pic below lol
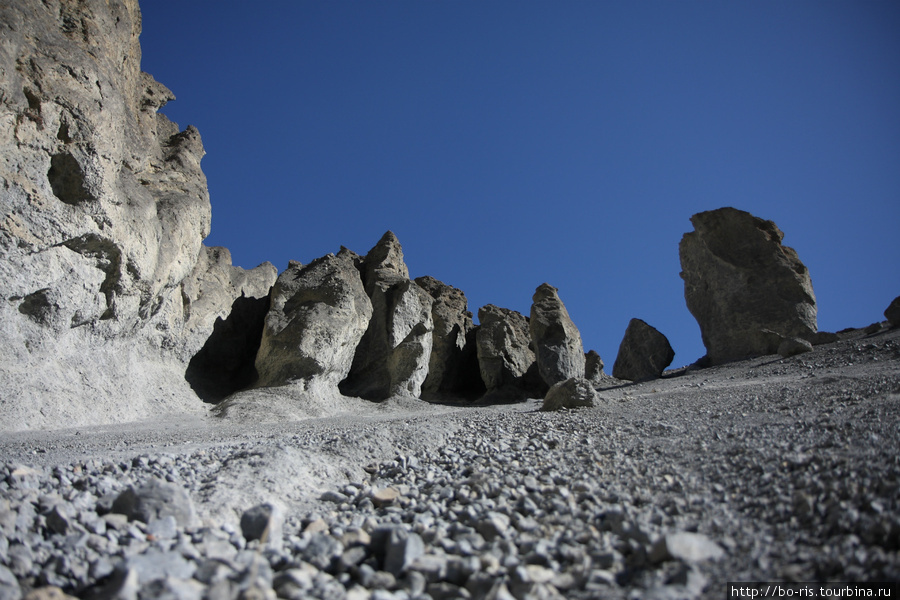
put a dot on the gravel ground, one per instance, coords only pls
(767, 469)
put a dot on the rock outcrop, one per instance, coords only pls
(576, 392)
(643, 354)
(747, 291)
(224, 310)
(505, 358)
(317, 315)
(557, 343)
(453, 367)
(103, 208)
(892, 312)
(392, 357)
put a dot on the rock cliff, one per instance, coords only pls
(104, 208)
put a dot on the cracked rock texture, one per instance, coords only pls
(103, 208)
(505, 355)
(318, 314)
(747, 291)
(392, 357)
(556, 340)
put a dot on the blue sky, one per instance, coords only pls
(512, 143)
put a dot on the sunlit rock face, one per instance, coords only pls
(104, 208)
(392, 357)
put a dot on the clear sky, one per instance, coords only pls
(509, 143)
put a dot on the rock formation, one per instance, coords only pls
(505, 358)
(742, 284)
(576, 392)
(392, 357)
(453, 367)
(593, 370)
(557, 343)
(317, 316)
(643, 354)
(232, 303)
(103, 208)
(892, 312)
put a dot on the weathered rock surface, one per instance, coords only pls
(453, 367)
(643, 354)
(557, 342)
(224, 310)
(892, 312)
(103, 208)
(741, 284)
(576, 392)
(392, 357)
(317, 316)
(505, 358)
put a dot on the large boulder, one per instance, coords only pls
(103, 208)
(643, 354)
(576, 392)
(453, 367)
(318, 314)
(892, 312)
(557, 343)
(505, 358)
(392, 357)
(747, 291)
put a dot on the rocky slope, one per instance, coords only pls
(766, 469)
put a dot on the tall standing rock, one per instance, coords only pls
(318, 315)
(506, 360)
(392, 357)
(747, 291)
(453, 367)
(643, 354)
(557, 342)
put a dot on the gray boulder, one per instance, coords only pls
(892, 312)
(576, 392)
(505, 358)
(318, 314)
(263, 522)
(557, 343)
(392, 357)
(453, 367)
(156, 499)
(643, 354)
(742, 284)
